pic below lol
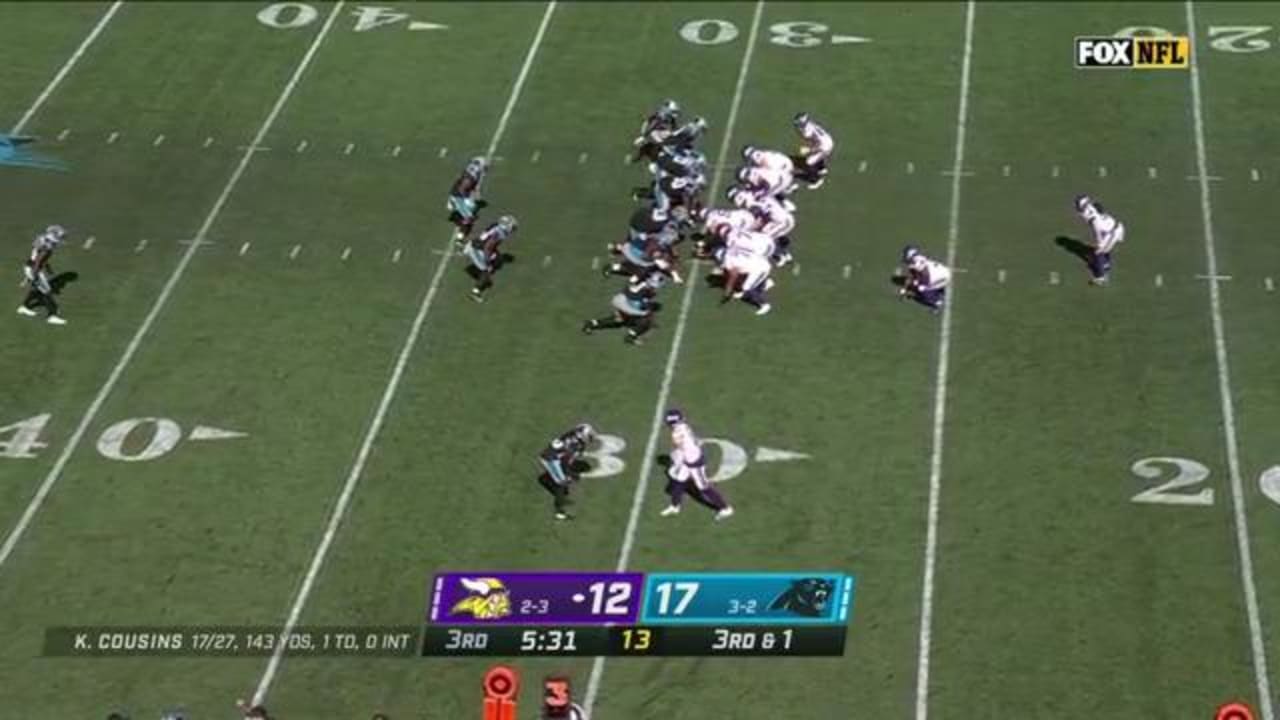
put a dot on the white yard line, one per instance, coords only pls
(668, 374)
(940, 386)
(66, 67)
(389, 393)
(94, 407)
(1256, 637)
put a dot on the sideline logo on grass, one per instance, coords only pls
(1141, 53)
(1234, 711)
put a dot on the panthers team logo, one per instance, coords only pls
(806, 596)
(487, 599)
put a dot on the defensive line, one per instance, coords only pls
(389, 393)
(664, 391)
(136, 341)
(1257, 641)
(940, 385)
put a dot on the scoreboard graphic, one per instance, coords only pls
(637, 614)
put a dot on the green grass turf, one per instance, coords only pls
(1056, 596)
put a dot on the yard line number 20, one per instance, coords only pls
(1183, 475)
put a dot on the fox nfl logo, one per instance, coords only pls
(1142, 53)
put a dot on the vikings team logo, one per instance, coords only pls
(487, 599)
(807, 596)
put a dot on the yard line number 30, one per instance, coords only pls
(1183, 475)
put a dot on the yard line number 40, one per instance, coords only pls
(1184, 475)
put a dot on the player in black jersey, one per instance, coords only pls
(485, 256)
(464, 198)
(558, 459)
(655, 131)
(633, 308)
(37, 274)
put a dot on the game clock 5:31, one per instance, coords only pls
(549, 640)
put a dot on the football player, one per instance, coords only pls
(633, 308)
(816, 147)
(768, 159)
(776, 221)
(714, 223)
(687, 135)
(746, 262)
(767, 182)
(689, 464)
(923, 279)
(655, 131)
(1107, 233)
(649, 246)
(37, 273)
(464, 198)
(484, 253)
(558, 459)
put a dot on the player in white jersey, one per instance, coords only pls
(816, 148)
(777, 222)
(747, 264)
(768, 159)
(923, 279)
(689, 464)
(767, 182)
(1107, 233)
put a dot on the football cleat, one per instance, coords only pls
(477, 295)
(24, 310)
(56, 320)
(764, 309)
(561, 515)
(588, 327)
(725, 513)
(670, 510)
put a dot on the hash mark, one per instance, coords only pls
(1055, 172)
(582, 158)
(159, 139)
(1159, 280)
(350, 147)
(142, 245)
(595, 263)
(795, 269)
(1054, 278)
(1006, 170)
(302, 146)
(63, 135)
(546, 261)
(848, 270)
(536, 154)
(244, 248)
(395, 152)
(208, 141)
(395, 256)
(346, 253)
(911, 168)
(114, 136)
(88, 242)
(1102, 171)
(1271, 285)
(862, 166)
(294, 252)
(443, 151)
(1151, 173)
(1001, 275)
(1255, 175)
(1215, 278)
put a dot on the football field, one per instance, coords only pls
(275, 404)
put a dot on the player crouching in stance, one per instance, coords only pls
(1107, 233)
(746, 263)
(816, 147)
(923, 280)
(37, 276)
(557, 460)
(485, 255)
(689, 464)
(656, 130)
(464, 198)
(633, 308)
